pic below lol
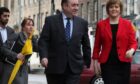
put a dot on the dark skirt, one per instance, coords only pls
(116, 73)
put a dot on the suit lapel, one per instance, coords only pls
(120, 27)
(108, 28)
(61, 26)
(74, 28)
(0, 39)
(8, 33)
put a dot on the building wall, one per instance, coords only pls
(86, 10)
(90, 10)
(27, 8)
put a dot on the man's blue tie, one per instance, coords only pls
(67, 29)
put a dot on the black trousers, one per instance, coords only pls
(116, 73)
(68, 77)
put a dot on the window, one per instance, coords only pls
(30, 1)
(41, 20)
(80, 10)
(35, 20)
(135, 7)
(26, 2)
(12, 4)
(0, 2)
(103, 11)
(131, 6)
(38, 22)
(6, 3)
(96, 11)
(88, 12)
(22, 2)
(81, 13)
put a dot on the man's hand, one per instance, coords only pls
(97, 68)
(20, 56)
(129, 53)
(44, 62)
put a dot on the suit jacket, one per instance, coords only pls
(125, 40)
(5, 48)
(53, 45)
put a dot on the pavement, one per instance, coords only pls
(37, 77)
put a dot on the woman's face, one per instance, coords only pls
(28, 28)
(114, 10)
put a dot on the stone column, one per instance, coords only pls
(1, 3)
(9, 4)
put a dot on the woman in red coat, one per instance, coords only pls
(114, 46)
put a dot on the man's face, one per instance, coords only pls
(71, 7)
(4, 18)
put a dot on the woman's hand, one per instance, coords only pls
(129, 53)
(97, 69)
(20, 56)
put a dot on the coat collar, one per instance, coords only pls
(61, 25)
(0, 39)
(108, 27)
(8, 33)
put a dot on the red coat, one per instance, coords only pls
(125, 40)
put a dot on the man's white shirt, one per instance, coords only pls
(3, 32)
(65, 22)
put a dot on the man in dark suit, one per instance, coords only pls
(7, 38)
(63, 38)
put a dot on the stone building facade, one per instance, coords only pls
(90, 10)
(95, 10)
(35, 9)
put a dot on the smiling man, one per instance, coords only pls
(60, 45)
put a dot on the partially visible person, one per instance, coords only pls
(114, 46)
(64, 45)
(58, 11)
(7, 38)
(22, 75)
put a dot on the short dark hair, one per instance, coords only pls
(25, 21)
(64, 1)
(111, 2)
(58, 11)
(4, 9)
